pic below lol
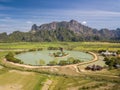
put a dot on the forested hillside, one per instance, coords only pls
(62, 31)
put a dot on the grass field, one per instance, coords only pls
(18, 80)
(13, 79)
(82, 83)
(84, 46)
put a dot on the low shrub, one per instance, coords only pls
(10, 57)
(53, 48)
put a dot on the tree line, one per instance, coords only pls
(60, 34)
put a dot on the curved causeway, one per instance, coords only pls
(29, 66)
(33, 58)
(67, 69)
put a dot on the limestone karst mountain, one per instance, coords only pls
(62, 31)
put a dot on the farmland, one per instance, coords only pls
(12, 77)
(86, 46)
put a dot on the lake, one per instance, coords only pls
(33, 58)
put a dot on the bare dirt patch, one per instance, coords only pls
(11, 87)
(47, 85)
(21, 72)
(1, 67)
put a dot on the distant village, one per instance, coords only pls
(108, 53)
(104, 53)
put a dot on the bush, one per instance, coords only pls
(41, 62)
(63, 62)
(100, 51)
(70, 60)
(10, 57)
(112, 62)
(53, 48)
(52, 63)
(59, 54)
(76, 61)
(40, 49)
(30, 50)
(118, 52)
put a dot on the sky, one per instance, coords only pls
(22, 14)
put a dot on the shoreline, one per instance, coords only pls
(28, 66)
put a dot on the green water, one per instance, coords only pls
(33, 58)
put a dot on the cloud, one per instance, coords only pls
(3, 25)
(84, 22)
(7, 19)
(29, 22)
(90, 13)
(93, 18)
(60, 13)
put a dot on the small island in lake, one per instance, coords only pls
(60, 53)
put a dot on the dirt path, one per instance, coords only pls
(11, 87)
(94, 59)
(74, 67)
(21, 72)
(93, 54)
(47, 85)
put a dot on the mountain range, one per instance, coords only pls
(62, 31)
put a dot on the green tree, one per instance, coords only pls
(118, 52)
(41, 62)
(70, 60)
(63, 62)
(10, 57)
(112, 61)
(52, 63)
(76, 61)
